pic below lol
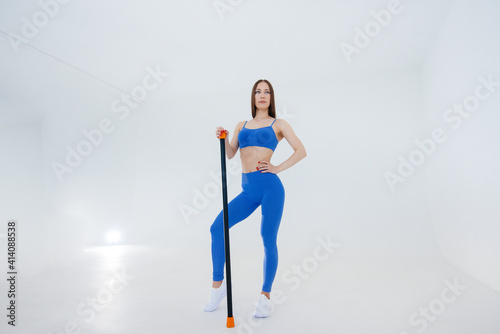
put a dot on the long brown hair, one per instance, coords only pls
(272, 109)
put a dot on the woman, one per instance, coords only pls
(261, 185)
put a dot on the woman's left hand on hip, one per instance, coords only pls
(267, 167)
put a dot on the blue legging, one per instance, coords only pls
(263, 189)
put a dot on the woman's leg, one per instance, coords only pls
(272, 211)
(239, 208)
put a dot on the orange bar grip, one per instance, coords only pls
(230, 322)
(222, 135)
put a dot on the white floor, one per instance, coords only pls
(157, 290)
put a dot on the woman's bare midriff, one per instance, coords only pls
(251, 155)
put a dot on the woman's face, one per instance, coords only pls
(262, 96)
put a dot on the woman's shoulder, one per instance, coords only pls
(239, 125)
(281, 122)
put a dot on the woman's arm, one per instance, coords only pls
(294, 141)
(232, 147)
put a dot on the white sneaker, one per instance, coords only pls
(216, 296)
(264, 307)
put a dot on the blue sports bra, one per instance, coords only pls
(263, 137)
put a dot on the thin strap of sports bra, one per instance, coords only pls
(273, 122)
(245, 123)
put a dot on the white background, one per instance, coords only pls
(152, 177)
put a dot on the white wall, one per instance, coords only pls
(463, 174)
(353, 129)
(355, 126)
(150, 167)
(95, 194)
(22, 197)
